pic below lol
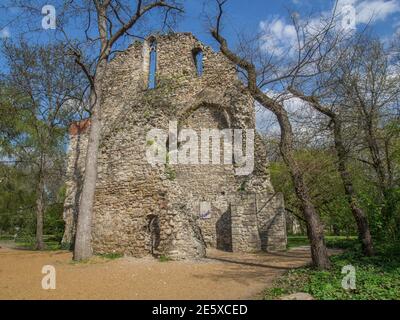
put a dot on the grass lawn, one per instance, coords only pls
(49, 245)
(6, 237)
(29, 242)
(377, 277)
(339, 242)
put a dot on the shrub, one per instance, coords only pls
(377, 278)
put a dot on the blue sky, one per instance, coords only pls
(384, 15)
(253, 16)
(256, 15)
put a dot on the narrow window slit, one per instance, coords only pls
(153, 65)
(198, 61)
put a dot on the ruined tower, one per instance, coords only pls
(177, 210)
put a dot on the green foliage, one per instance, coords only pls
(340, 242)
(160, 96)
(17, 207)
(274, 293)
(297, 241)
(164, 258)
(28, 242)
(6, 237)
(17, 201)
(391, 215)
(111, 256)
(66, 246)
(377, 277)
(54, 223)
(53, 218)
(383, 213)
(38, 100)
(327, 193)
(242, 187)
(170, 172)
(326, 189)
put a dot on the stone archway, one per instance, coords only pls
(223, 230)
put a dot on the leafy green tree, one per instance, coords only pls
(326, 189)
(42, 92)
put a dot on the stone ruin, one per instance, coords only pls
(172, 210)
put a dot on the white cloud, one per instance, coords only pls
(371, 11)
(342, 3)
(5, 33)
(278, 36)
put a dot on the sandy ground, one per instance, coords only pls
(220, 276)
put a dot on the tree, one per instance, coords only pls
(370, 86)
(107, 24)
(369, 83)
(356, 88)
(45, 87)
(352, 85)
(315, 230)
(106, 12)
(319, 166)
(358, 213)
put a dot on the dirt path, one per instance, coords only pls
(220, 276)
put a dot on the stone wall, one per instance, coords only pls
(132, 195)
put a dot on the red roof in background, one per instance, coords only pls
(79, 127)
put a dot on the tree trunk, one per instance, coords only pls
(373, 147)
(358, 214)
(315, 230)
(83, 239)
(39, 213)
(389, 167)
(364, 233)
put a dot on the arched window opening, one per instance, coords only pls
(153, 65)
(198, 61)
(153, 228)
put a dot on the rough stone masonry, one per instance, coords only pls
(172, 210)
